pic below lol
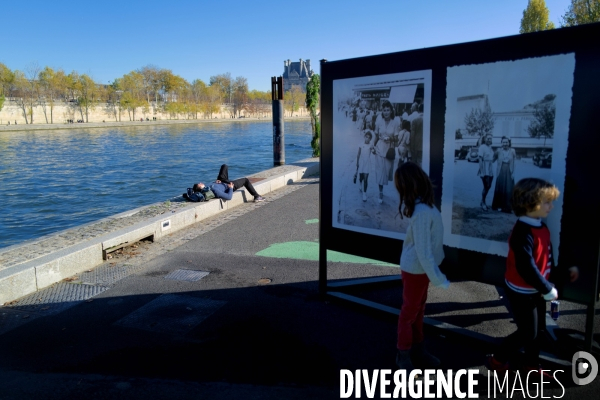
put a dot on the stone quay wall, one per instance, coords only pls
(13, 114)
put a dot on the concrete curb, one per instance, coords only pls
(27, 277)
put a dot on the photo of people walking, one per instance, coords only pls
(382, 116)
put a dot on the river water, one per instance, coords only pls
(54, 180)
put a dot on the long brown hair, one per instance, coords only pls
(412, 183)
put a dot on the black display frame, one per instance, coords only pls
(581, 193)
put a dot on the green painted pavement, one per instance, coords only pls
(310, 251)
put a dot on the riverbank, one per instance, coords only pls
(33, 265)
(123, 124)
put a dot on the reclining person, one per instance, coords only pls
(223, 177)
(221, 190)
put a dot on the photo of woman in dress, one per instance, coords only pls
(505, 176)
(486, 166)
(363, 196)
(387, 128)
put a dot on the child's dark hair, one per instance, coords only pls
(196, 187)
(412, 183)
(529, 193)
(369, 133)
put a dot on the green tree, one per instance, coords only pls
(313, 91)
(133, 96)
(72, 89)
(173, 86)
(581, 12)
(6, 79)
(293, 98)
(52, 86)
(240, 95)
(479, 122)
(212, 104)
(259, 103)
(225, 84)
(151, 81)
(88, 95)
(535, 17)
(544, 115)
(198, 95)
(113, 99)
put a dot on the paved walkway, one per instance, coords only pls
(229, 308)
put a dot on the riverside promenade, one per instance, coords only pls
(227, 307)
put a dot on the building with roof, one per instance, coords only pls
(513, 124)
(296, 73)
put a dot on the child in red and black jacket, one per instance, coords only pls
(528, 267)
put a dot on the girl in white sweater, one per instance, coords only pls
(422, 253)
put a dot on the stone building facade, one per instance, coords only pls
(296, 73)
(512, 124)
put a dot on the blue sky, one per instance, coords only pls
(198, 39)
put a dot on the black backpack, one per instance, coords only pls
(204, 195)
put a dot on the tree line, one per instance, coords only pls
(149, 89)
(536, 15)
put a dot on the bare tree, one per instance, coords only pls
(27, 90)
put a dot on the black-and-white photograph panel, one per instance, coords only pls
(379, 122)
(505, 121)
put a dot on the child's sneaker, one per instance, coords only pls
(364, 196)
(259, 198)
(403, 361)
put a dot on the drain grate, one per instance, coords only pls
(50, 301)
(187, 275)
(57, 298)
(171, 313)
(108, 275)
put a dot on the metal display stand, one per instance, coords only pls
(348, 85)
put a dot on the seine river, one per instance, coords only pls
(54, 180)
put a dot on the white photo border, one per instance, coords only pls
(343, 87)
(548, 74)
